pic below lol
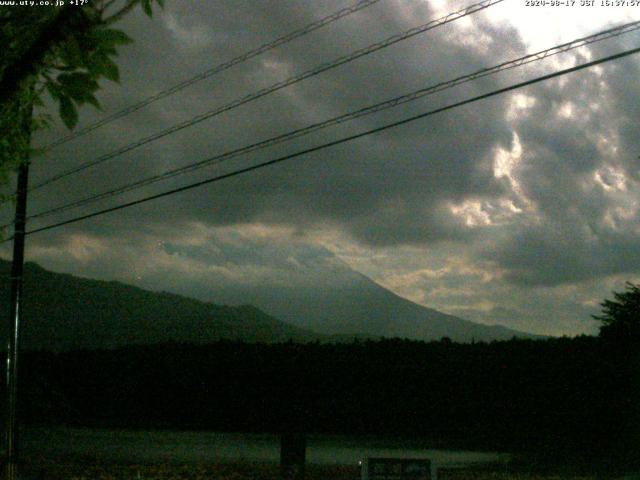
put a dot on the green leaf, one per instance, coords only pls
(100, 65)
(161, 3)
(78, 85)
(107, 50)
(93, 101)
(110, 37)
(146, 6)
(68, 112)
(71, 52)
(93, 15)
(53, 89)
(111, 72)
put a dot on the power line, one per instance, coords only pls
(335, 142)
(275, 87)
(533, 57)
(217, 69)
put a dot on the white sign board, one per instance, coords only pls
(377, 468)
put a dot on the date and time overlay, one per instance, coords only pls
(525, 3)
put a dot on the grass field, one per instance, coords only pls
(46, 469)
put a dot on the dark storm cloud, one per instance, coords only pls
(559, 254)
(391, 188)
(583, 228)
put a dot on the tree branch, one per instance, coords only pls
(121, 13)
(68, 19)
(108, 4)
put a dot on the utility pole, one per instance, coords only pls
(16, 301)
(15, 320)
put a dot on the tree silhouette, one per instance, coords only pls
(620, 317)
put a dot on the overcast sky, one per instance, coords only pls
(521, 209)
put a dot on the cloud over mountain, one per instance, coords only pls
(520, 209)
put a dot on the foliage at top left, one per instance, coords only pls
(63, 51)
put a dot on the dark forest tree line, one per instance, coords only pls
(572, 398)
(566, 396)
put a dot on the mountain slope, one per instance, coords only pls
(334, 303)
(340, 301)
(62, 312)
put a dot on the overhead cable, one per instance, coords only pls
(215, 70)
(371, 109)
(451, 17)
(334, 143)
